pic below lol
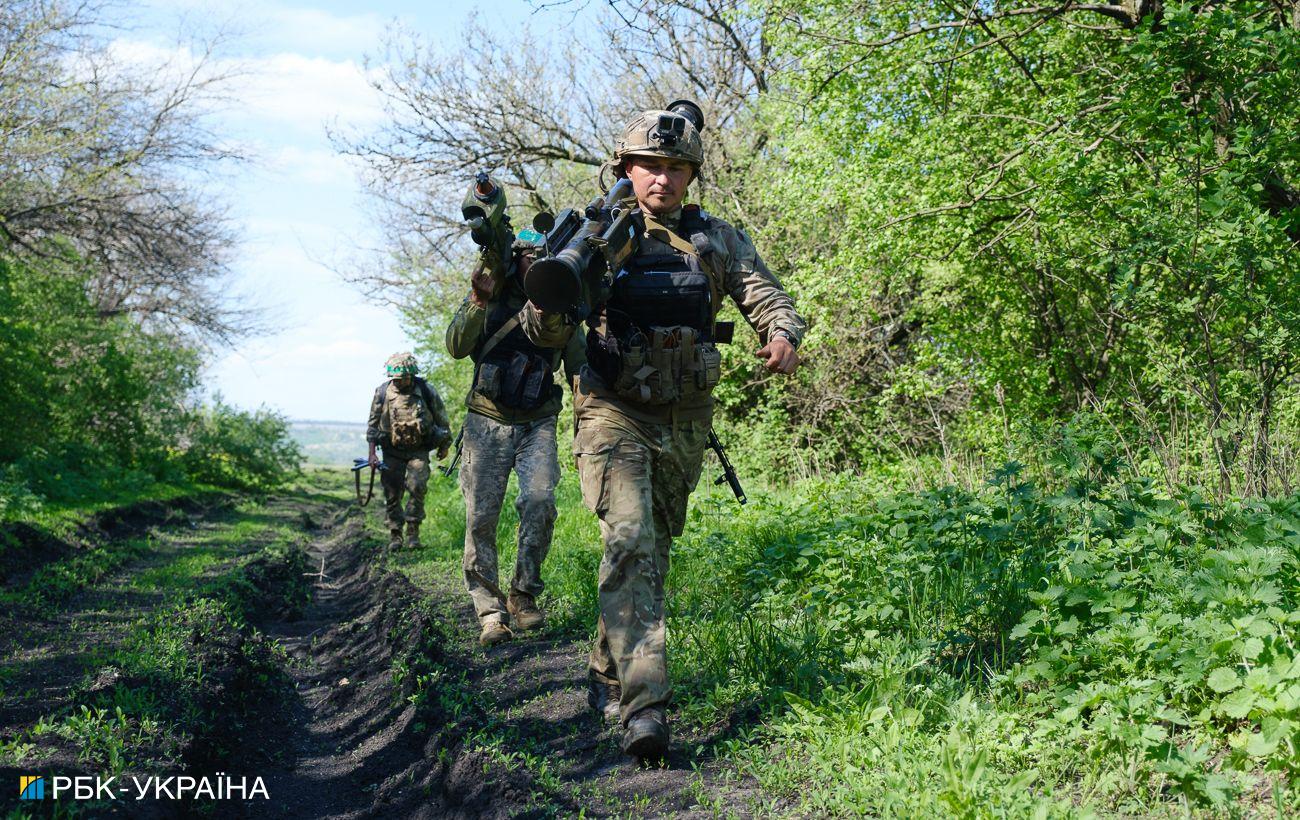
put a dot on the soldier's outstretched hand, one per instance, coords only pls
(780, 354)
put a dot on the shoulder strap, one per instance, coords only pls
(502, 332)
(426, 392)
(695, 224)
(492, 342)
(660, 231)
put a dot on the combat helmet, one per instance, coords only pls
(401, 364)
(673, 132)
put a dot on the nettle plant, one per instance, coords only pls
(1165, 626)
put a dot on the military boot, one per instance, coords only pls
(413, 535)
(604, 698)
(394, 539)
(646, 735)
(493, 633)
(524, 612)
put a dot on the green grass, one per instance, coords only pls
(1079, 643)
(210, 581)
(570, 569)
(61, 517)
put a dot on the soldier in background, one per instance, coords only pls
(510, 425)
(407, 420)
(643, 406)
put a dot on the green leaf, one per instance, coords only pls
(1223, 680)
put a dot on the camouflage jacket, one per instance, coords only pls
(466, 337)
(377, 428)
(756, 291)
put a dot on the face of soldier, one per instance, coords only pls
(659, 182)
(404, 381)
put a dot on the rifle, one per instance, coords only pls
(359, 464)
(728, 472)
(460, 446)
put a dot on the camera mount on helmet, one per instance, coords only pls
(689, 110)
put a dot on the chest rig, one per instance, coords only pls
(513, 372)
(655, 343)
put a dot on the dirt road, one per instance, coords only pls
(347, 689)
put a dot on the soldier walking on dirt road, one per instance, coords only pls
(510, 425)
(407, 420)
(644, 405)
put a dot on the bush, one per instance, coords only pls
(237, 448)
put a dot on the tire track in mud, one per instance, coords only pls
(399, 714)
(48, 649)
(381, 703)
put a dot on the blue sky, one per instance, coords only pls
(297, 205)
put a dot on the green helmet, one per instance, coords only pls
(401, 364)
(673, 132)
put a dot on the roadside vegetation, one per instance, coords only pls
(1065, 637)
(180, 676)
(112, 270)
(1023, 532)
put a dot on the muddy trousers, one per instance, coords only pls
(638, 482)
(491, 450)
(404, 476)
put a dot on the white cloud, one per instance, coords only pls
(314, 30)
(305, 92)
(314, 166)
(270, 92)
(324, 369)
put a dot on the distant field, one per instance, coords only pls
(330, 442)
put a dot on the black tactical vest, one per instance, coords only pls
(515, 373)
(667, 291)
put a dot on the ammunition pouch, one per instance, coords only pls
(517, 380)
(512, 372)
(660, 347)
(665, 365)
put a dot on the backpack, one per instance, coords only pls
(407, 418)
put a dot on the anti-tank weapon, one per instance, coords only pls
(581, 251)
(484, 210)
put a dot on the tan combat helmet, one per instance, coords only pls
(670, 132)
(401, 364)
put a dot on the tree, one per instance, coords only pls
(541, 118)
(101, 157)
(1083, 205)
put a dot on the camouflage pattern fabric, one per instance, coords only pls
(491, 450)
(378, 431)
(743, 276)
(642, 137)
(465, 336)
(409, 476)
(401, 363)
(637, 478)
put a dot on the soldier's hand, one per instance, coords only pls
(780, 354)
(374, 460)
(481, 287)
(442, 451)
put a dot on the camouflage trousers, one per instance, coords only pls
(637, 478)
(491, 450)
(404, 476)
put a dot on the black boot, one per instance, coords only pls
(646, 735)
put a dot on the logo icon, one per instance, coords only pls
(31, 787)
